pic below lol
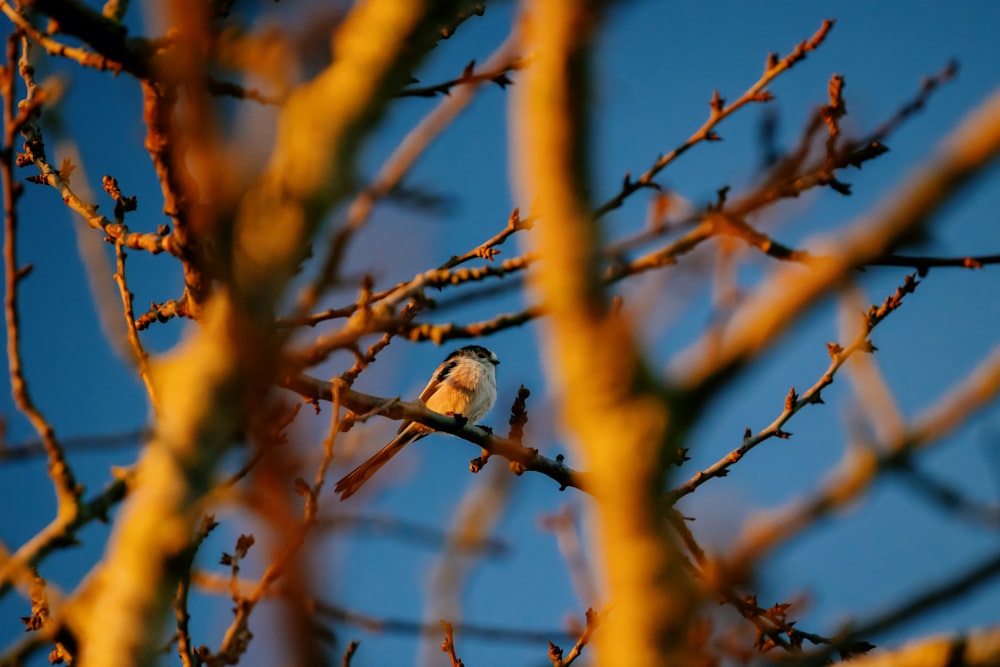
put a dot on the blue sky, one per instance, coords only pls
(656, 67)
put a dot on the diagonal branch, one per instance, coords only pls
(522, 458)
(793, 402)
(758, 325)
(719, 112)
(862, 467)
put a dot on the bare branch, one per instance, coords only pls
(523, 459)
(862, 467)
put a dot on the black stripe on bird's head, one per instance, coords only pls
(475, 352)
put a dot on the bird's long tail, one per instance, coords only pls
(353, 480)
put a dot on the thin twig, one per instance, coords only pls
(59, 534)
(162, 312)
(944, 592)
(470, 75)
(53, 47)
(392, 172)
(229, 89)
(556, 653)
(66, 489)
(349, 653)
(793, 402)
(863, 466)
(719, 112)
(141, 358)
(406, 627)
(185, 646)
(81, 443)
(448, 645)
(951, 499)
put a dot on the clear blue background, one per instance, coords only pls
(656, 65)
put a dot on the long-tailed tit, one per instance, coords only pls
(464, 384)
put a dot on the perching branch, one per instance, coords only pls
(523, 459)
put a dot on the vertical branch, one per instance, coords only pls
(67, 491)
(141, 358)
(183, 141)
(185, 645)
(621, 418)
(210, 384)
(159, 100)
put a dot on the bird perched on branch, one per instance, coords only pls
(464, 384)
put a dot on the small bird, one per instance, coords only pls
(464, 384)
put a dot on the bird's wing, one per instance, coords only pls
(439, 376)
(443, 371)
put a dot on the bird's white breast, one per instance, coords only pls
(470, 389)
